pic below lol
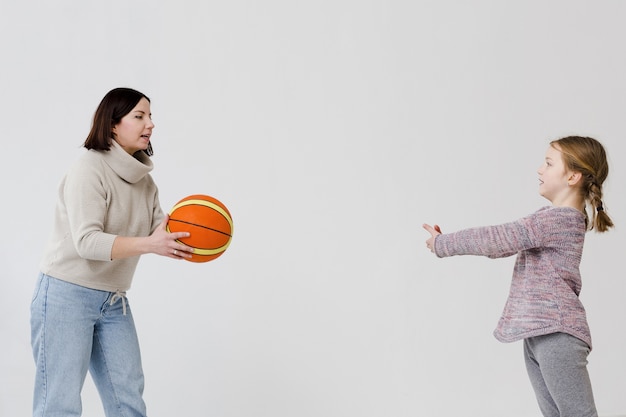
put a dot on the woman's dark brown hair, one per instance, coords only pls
(116, 104)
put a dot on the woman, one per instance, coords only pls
(107, 215)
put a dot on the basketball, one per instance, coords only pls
(209, 223)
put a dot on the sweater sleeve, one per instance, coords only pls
(85, 198)
(157, 214)
(492, 241)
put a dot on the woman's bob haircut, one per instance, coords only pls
(116, 104)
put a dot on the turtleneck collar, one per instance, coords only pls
(130, 168)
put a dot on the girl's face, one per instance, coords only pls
(133, 132)
(554, 178)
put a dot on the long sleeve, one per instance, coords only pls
(492, 241)
(85, 199)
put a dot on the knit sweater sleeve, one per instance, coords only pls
(492, 241)
(157, 214)
(85, 196)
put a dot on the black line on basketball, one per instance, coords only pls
(200, 225)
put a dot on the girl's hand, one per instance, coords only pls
(434, 232)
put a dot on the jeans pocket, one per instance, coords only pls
(38, 286)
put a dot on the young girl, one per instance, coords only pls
(543, 307)
(107, 215)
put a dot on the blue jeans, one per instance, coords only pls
(75, 329)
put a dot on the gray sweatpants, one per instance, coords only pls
(557, 367)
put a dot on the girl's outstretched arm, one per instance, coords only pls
(498, 241)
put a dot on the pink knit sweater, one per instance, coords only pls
(546, 282)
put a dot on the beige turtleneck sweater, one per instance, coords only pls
(105, 194)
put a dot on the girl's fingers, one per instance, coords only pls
(432, 230)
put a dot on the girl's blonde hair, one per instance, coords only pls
(587, 156)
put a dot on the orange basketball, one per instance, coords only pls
(209, 223)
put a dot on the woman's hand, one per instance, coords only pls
(434, 232)
(164, 243)
(160, 242)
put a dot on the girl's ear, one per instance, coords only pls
(574, 178)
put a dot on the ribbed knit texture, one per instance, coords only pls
(105, 194)
(546, 281)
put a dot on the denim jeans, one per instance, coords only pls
(75, 329)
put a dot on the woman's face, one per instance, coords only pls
(133, 132)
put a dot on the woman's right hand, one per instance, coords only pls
(165, 243)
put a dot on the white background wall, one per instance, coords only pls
(332, 130)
